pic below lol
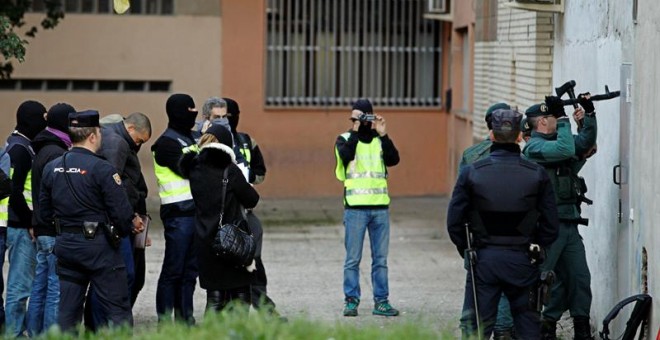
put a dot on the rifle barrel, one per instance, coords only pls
(595, 98)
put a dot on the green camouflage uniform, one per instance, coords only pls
(560, 154)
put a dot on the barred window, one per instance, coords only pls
(331, 52)
(154, 7)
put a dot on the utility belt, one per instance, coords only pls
(535, 253)
(89, 229)
(579, 220)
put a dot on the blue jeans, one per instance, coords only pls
(178, 276)
(22, 260)
(45, 297)
(356, 223)
(94, 316)
(3, 248)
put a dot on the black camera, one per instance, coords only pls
(366, 117)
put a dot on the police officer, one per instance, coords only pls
(21, 250)
(178, 277)
(82, 194)
(481, 150)
(504, 223)
(504, 324)
(554, 147)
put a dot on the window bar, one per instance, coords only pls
(363, 50)
(334, 71)
(289, 71)
(387, 51)
(280, 46)
(304, 20)
(407, 91)
(343, 36)
(374, 51)
(295, 52)
(350, 55)
(313, 53)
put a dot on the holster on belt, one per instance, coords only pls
(112, 235)
(546, 281)
(89, 229)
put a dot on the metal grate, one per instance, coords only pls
(331, 52)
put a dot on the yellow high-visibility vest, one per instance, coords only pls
(365, 177)
(172, 188)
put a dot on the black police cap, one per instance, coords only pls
(87, 118)
(506, 120)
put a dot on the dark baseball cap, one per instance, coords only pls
(504, 120)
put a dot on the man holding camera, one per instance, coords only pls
(562, 155)
(363, 155)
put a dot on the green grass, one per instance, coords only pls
(237, 325)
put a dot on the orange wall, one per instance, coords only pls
(298, 143)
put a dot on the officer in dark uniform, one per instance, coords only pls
(505, 220)
(82, 195)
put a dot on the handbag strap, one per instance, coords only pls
(225, 180)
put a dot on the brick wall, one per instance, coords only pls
(515, 68)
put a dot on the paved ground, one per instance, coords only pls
(303, 254)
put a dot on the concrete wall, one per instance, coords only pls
(645, 174)
(298, 142)
(589, 49)
(181, 49)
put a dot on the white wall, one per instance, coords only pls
(589, 42)
(645, 174)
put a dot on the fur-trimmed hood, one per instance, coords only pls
(212, 154)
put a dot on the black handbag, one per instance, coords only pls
(233, 242)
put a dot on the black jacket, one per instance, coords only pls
(205, 172)
(120, 150)
(500, 190)
(21, 154)
(47, 147)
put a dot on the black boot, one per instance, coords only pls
(548, 329)
(504, 334)
(582, 328)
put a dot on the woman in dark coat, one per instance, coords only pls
(224, 282)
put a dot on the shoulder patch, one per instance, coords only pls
(117, 178)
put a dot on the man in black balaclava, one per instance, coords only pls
(30, 120)
(248, 148)
(49, 144)
(363, 153)
(176, 283)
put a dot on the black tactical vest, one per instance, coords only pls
(504, 195)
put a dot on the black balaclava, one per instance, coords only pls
(30, 118)
(180, 118)
(365, 132)
(58, 116)
(233, 111)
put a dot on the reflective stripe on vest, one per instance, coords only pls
(27, 187)
(172, 188)
(365, 179)
(247, 153)
(27, 190)
(4, 212)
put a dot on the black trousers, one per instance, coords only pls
(505, 271)
(81, 263)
